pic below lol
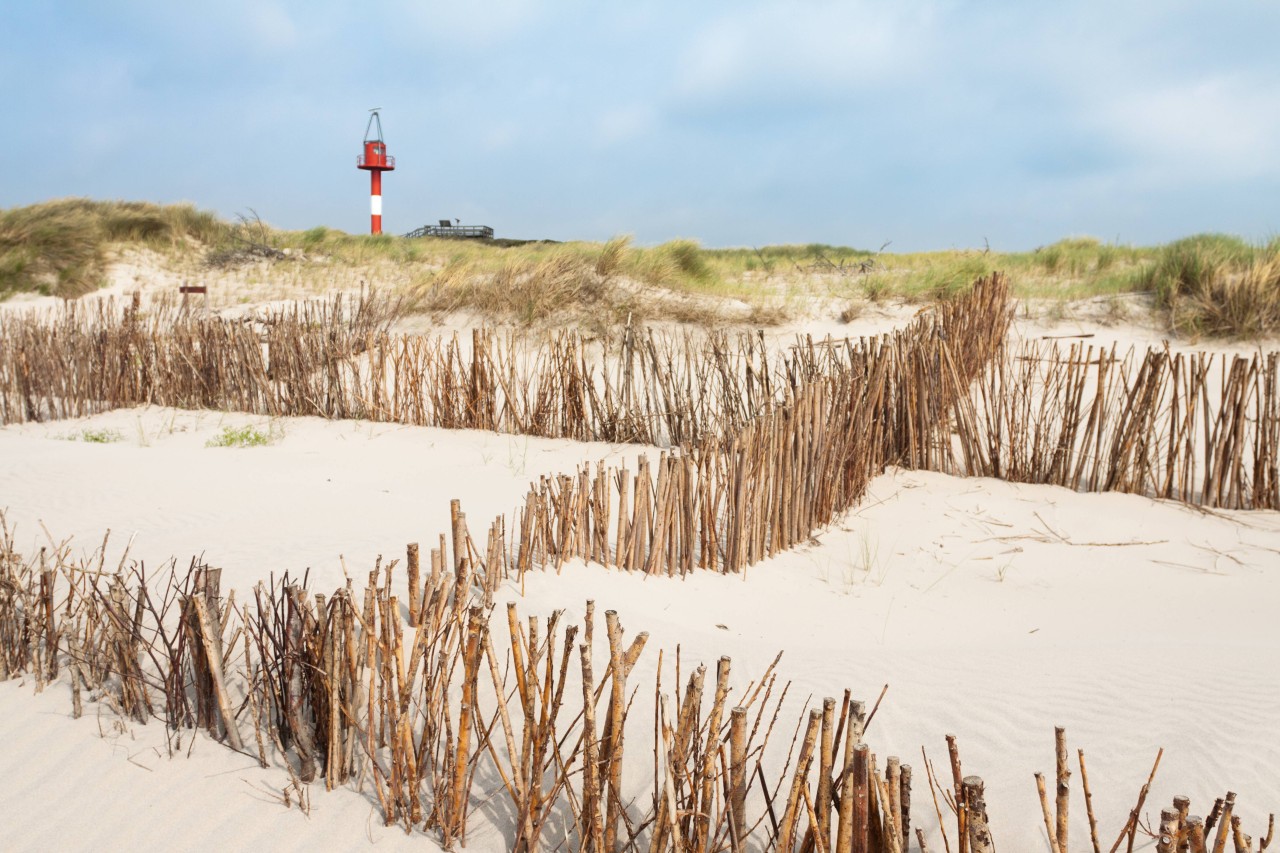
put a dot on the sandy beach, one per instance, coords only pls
(993, 611)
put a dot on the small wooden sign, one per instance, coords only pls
(193, 288)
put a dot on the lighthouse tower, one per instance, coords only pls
(375, 161)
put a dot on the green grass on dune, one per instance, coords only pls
(1206, 284)
(1078, 266)
(59, 248)
(1217, 284)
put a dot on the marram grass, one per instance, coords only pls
(1204, 285)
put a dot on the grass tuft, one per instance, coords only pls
(951, 280)
(688, 258)
(1218, 285)
(245, 436)
(95, 436)
(613, 257)
(60, 248)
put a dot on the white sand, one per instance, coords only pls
(94, 784)
(994, 611)
(322, 490)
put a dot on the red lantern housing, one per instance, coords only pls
(375, 161)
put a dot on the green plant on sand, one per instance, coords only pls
(245, 436)
(95, 436)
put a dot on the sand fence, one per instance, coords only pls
(766, 448)
(1193, 428)
(451, 718)
(946, 393)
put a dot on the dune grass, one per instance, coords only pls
(1218, 285)
(1078, 264)
(1206, 284)
(60, 248)
(594, 285)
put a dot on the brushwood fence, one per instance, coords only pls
(455, 722)
(1189, 427)
(765, 448)
(338, 360)
(943, 394)
(768, 446)
(735, 498)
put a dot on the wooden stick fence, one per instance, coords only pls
(1161, 424)
(738, 496)
(768, 447)
(443, 729)
(338, 360)
(1165, 425)
(757, 478)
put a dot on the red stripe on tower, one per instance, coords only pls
(375, 160)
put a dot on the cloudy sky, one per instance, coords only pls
(931, 124)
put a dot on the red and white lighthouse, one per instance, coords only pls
(375, 161)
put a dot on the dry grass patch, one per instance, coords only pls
(591, 285)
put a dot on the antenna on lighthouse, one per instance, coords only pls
(375, 120)
(375, 161)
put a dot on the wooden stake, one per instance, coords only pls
(213, 648)
(1196, 835)
(786, 831)
(415, 593)
(1167, 838)
(826, 758)
(1088, 803)
(1063, 797)
(904, 799)
(962, 815)
(979, 832)
(1224, 823)
(860, 835)
(738, 775)
(1048, 816)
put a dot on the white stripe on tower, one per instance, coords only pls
(375, 205)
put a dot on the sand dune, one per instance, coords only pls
(995, 611)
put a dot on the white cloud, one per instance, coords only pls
(1220, 128)
(807, 46)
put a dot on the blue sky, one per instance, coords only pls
(930, 124)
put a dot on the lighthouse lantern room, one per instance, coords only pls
(375, 161)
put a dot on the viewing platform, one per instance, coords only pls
(446, 228)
